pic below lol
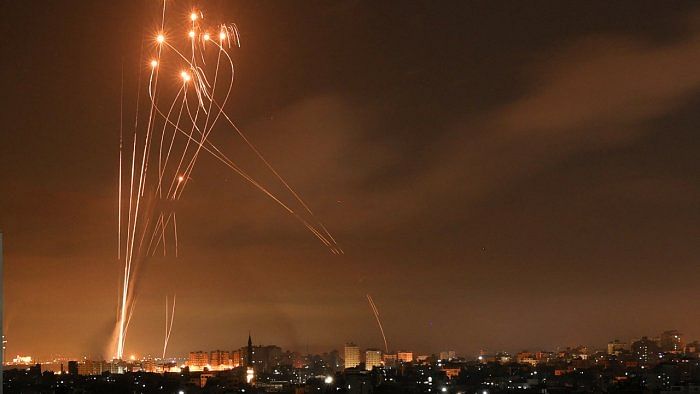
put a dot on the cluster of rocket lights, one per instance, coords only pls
(160, 39)
(166, 147)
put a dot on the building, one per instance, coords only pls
(503, 358)
(352, 355)
(405, 357)
(203, 377)
(451, 370)
(447, 355)
(236, 359)
(373, 358)
(262, 358)
(358, 382)
(198, 359)
(23, 360)
(73, 367)
(117, 366)
(331, 358)
(580, 352)
(671, 341)
(522, 355)
(423, 359)
(89, 367)
(526, 357)
(616, 347)
(220, 358)
(389, 360)
(249, 362)
(148, 365)
(544, 356)
(693, 348)
(645, 350)
(484, 357)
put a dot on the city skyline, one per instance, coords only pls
(498, 176)
(662, 339)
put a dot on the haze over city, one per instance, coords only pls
(496, 175)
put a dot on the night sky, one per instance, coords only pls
(501, 175)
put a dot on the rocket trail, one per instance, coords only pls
(379, 322)
(168, 323)
(121, 140)
(174, 136)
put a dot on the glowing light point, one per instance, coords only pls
(180, 178)
(191, 33)
(206, 36)
(193, 16)
(132, 357)
(222, 35)
(185, 77)
(160, 38)
(249, 375)
(154, 63)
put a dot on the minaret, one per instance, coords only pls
(249, 370)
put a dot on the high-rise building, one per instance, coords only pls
(198, 359)
(219, 358)
(404, 356)
(671, 341)
(645, 350)
(352, 355)
(373, 358)
(236, 359)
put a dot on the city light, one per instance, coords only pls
(22, 359)
(481, 135)
(249, 375)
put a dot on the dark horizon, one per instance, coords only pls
(500, 176)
